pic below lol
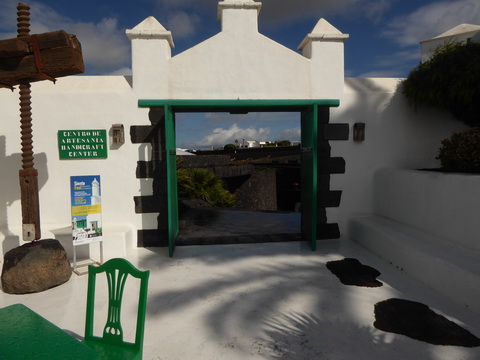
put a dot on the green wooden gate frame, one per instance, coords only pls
(309, 130)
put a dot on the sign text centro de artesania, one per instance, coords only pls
(82, 144)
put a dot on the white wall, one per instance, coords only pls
(73, 103)
(443, 205)
(239, 66)
(395, 136)
(237, 63)
(461, 33)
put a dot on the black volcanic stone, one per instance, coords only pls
(419, 322)
(353, 272)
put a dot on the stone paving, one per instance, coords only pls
(260, 301)
(232, 226)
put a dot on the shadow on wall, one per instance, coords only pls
(10, 190)
(364, 101)
(395, 136)
(422, 129)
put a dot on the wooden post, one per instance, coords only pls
(28, 175)
(23, 60)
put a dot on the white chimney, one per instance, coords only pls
(324, 47)
(151, 49)
(238, 15)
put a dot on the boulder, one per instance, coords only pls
(35, 267)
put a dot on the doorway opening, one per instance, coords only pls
(255, 156)
(314, 127)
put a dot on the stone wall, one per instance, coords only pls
(259, 191)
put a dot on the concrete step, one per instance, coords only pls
(448, 268)
(238, 239)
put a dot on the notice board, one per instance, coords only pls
(82, 144)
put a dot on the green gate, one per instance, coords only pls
(309, 131)
(309, 136)
(171, 159)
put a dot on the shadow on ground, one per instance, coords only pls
(271, 302)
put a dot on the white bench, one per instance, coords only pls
(423, 243)
(118, 240)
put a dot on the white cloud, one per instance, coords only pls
(221, 136)
(276, 12)
(184, 18)
(432, 20)
(182, 24)
(375, 10)
(8, 17)
(293, 134)
(399, 57)
(104, 44)
(273, 12)
(395, 65)
(180, 3)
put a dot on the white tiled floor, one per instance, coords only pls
(261, 301)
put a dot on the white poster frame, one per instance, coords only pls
(86, 205)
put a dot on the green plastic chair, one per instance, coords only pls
(111, 345)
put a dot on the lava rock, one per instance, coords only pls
(418, 321)
(35, 267)
(352, 272)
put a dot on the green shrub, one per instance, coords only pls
(205, 185)
(461, 153)
(230, 147)
(182, 173)
(449, 81)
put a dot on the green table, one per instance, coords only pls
(26, 335)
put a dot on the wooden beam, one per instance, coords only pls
(30, 204)
(50, 40)
(60, 54)
(13, 48)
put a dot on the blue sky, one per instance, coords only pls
(384, 41)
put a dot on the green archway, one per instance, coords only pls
(311, 117)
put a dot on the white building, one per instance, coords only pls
(220, 71)
(253, 144)
(462, 33)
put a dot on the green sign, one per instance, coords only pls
(82, 144)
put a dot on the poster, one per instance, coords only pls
(86, 205)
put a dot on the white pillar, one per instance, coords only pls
(238, 15)
(151, 51)
(324, 47)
